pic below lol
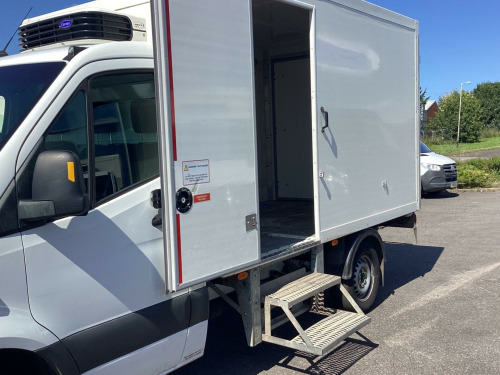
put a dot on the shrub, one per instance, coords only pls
(481, 164)
(470, 176)
(491, 166)
(495, 165)
(490, 133)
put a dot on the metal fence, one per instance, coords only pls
(436, 134)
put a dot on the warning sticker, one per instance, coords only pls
(195, 172)
(202, 198)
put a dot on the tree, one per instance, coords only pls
(423, 97)
(423, 102)
(446, 119)
(488, 94)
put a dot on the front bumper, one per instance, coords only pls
(443, 179)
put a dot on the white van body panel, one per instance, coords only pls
(214, 126)
(17, 327)
(145, 360)
(148, 360)
(367, 80)
(93, 278)
(195, 343)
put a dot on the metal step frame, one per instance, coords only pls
(323, 336)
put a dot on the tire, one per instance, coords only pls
(365, 281)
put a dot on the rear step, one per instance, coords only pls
(325, 334)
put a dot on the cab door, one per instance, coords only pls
(204, 66)
(97, 281)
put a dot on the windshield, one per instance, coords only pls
(424, 149)
(21, 86)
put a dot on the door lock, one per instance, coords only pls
(183, 200)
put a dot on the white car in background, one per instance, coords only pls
(437, 172)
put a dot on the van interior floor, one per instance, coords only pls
(285, 223)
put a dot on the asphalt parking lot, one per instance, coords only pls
(439, 312)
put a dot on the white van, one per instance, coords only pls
(232, 146)
(437, 172)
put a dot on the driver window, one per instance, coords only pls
(123, 124)
(124, 127)
(69, 130)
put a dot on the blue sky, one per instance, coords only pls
(459, 39)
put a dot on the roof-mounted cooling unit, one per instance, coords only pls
(88, 27)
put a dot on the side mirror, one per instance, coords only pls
(58, 188)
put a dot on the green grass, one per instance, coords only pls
(451, 147)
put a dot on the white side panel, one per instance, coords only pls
(212, 76)
(152, 359)
(367, 81)
(145, 360)
(104, 260)
(17, 327)
(195, 343)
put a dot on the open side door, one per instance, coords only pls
(366, 105)
(205, 91)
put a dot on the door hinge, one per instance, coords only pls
(251, 222)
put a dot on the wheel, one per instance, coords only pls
(365, 281)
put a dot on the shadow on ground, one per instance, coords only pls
(405, 263)
(440, 195)
(227, 353)
(336, 362)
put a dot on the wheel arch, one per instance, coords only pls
(355, 241)
(22, 361)
(27, 346)
(51, 360)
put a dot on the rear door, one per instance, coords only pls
(204, 66)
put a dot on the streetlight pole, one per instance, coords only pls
(460, 110)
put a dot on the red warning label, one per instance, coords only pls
(201, 198)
